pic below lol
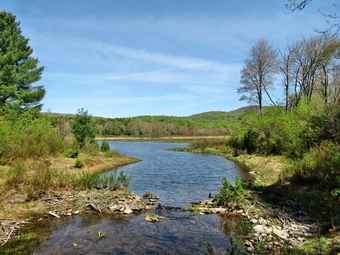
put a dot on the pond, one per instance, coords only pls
(178, 178)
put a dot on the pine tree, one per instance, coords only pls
(18, 69)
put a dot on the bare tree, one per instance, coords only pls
(309, 60)
(332, 19)
(329, 78)
(285, 69)
(257, 75)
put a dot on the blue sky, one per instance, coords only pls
(121, 58)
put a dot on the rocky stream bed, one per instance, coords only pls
(275, 227)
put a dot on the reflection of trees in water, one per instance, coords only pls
(183, 233)
(229, 222)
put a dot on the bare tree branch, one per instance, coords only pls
(257, 74)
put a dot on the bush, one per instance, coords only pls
(83, 129)
(250, 140)
(105, 146)
(232, 195)
(28, 137)
(320, 165)
(79, 163)
(72, 153)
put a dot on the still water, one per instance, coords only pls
(179, 178)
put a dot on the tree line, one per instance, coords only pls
(307, 68)
(154, 126)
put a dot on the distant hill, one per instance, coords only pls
(245, 109)
(206, 123)
(212, 115)
(220, 115)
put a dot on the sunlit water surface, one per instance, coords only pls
(179, 178)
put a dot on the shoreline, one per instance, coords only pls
(275, 208)
(150, 138)
(18, 209)
(273, 226)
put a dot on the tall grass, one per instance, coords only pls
(40, 177)
(105, 181)
(208, 143)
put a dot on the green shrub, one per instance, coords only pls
(105, 146)
(71, 153)
(232, 195)
(250, 140)
(27, 137)
(83, 129)
(319, 166)
(79, 163)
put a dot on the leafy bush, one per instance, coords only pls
(83, 129)
(320, 165)
(72, 153)
(79, 163)
(232, 195)
(25, 137)
(105, 146)
(250, 140)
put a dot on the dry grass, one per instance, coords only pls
(268, 168)
(54, 175)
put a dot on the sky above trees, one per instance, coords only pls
(154, 57)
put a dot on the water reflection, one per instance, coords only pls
(179, 178)
(183, 233)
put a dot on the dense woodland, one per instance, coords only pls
(209, 123)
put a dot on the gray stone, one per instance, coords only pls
(128, 210)
(250, 249)
(280, 233)
(114, 208)
(254, 221)
(262, 229)
(296, 233)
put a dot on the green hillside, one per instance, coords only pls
(206, 123)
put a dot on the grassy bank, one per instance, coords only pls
(24, 187)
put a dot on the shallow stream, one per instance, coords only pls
(178, 178)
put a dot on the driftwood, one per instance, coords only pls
(54, 214)
(8, 228)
